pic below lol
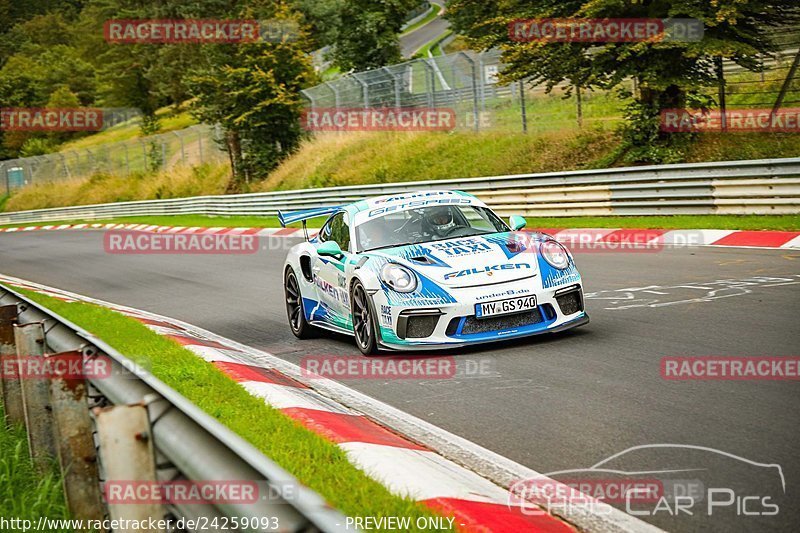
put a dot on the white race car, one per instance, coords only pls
(425, 270)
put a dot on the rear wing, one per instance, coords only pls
(305, 214)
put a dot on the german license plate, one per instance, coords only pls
(505, 307)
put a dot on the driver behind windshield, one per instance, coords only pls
(439, 221)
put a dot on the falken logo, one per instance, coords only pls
(485, 270)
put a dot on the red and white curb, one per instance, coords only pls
(411, 457)
(593, 236)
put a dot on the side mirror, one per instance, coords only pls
(517, 222)
(330, 249)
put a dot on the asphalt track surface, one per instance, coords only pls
(552, 403)
(418, 38)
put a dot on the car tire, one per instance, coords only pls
(294, 307)
(364, 325)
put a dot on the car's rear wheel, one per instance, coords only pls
(364, 325)
(294, 307)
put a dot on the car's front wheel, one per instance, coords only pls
(364, 325)
(294, 307)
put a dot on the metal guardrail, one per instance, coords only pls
(186, 443)
(765, 186)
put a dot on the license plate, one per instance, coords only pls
(505, 307)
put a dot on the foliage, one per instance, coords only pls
(666, 72)
(367, 36)
(253, 91)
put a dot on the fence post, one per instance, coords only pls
(786, 83)
(522, 106)
(12, 393)
(364, 89)
(127, 456)
(579, 105)
(474, 87)
(395, 85)
(64, 165)
(76, 452)
(8, 183)
(430, 83)
(35, 395)
(721, 86)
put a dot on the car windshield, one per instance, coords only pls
(427, 224)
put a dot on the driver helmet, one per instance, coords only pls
(440, 219)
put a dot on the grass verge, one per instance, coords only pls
(179, 220)
(178, 182)
(316, 462)
(742, 222)
(434, 12)
(24, 493)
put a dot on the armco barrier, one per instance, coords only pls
(144, 428)
(764, 186)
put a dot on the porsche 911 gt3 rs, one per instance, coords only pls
(426, 270)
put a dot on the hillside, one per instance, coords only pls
(357, 158)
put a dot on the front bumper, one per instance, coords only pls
(453, 325)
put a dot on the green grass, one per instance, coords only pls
(435, 9)
(170, 119)
(316, 462)
(433, 45)
(331, 73)
(25, 493)
(743, 222)
(177, 220)
(383, 157)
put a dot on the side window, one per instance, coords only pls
(325, 232)
(340, 231)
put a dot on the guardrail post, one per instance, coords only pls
(127, 456)
(35, 394)
(12, 393)
(73, 423)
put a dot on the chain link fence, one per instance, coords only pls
(191, 146)
(467, 82)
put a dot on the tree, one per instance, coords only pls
(253, 92)
(668, 74)
(367, 36)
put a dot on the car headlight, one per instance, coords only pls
(398, 277)
(555, 254)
